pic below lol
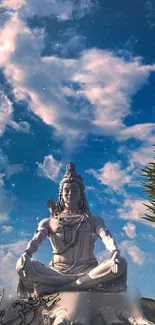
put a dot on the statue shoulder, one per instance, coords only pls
(44, 223)
(99, 220)
(99, 224)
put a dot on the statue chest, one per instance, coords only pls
(68, 234)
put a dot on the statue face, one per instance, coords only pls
(71, 195)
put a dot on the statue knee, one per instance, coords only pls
(19, 267)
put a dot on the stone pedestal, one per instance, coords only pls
(96, 309)
(77, 308)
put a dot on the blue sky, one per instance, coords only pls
(77, 84)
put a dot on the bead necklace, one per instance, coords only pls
(67, 242)
(72, 223)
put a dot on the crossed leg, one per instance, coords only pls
(47, 279)
(100, 274)
(34, 273)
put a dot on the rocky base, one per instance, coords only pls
(148, 307)
(95, 309)
(76, 308)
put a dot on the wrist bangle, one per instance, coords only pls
(114, 251)
(26, 251)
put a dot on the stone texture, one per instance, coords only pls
(85, 308)
(148, 307)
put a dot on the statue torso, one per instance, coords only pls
(73, 238)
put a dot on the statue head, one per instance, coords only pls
(71, 192)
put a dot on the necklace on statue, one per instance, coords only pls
(64, 237)
(75, 233)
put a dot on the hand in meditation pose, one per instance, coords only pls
(72, 231)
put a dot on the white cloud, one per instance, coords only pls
(106, 81)
(141, 156)
(111, 175)
(4, 217)
(7, 39)
(6, 204)
(151, 237)
(50, 168)
(7, 168)
(130, 230)
(1, 179)
(6, 197)
(22, 126)
(5, 112)
(143, 132)
(12, 4)
(150, 16)
(90, 188)
(7, 229)
(136, 254)
(134, 210)
(12, 169)
(63, 10)
(9, 254)
(138, 158)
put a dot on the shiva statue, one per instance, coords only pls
(72, 231)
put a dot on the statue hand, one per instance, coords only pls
(115, 262)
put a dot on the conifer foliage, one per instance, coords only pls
(149, 188)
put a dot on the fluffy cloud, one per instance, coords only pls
(5, 112)
(6, 204)
(7, 168)
(150, 10)
(64, 10)
(9, 253)
(132, 250)
(6, 116)
(7, 229)
(90, 188)
(130, 230)
(8, 39)
(140, 156)
(12, 169)
(1, 179)
(112, 175)
(50, 168)
(134, 210)
(127, 248)
(7, 199)
(4, 217)
(22, 126)
(13, 4)
(141, 132)
(106, 82)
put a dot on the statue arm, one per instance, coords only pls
(105, 236)
(39, 236)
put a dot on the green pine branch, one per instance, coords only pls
(149, 188)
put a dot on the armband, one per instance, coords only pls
(114, 251)
(27, 251)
